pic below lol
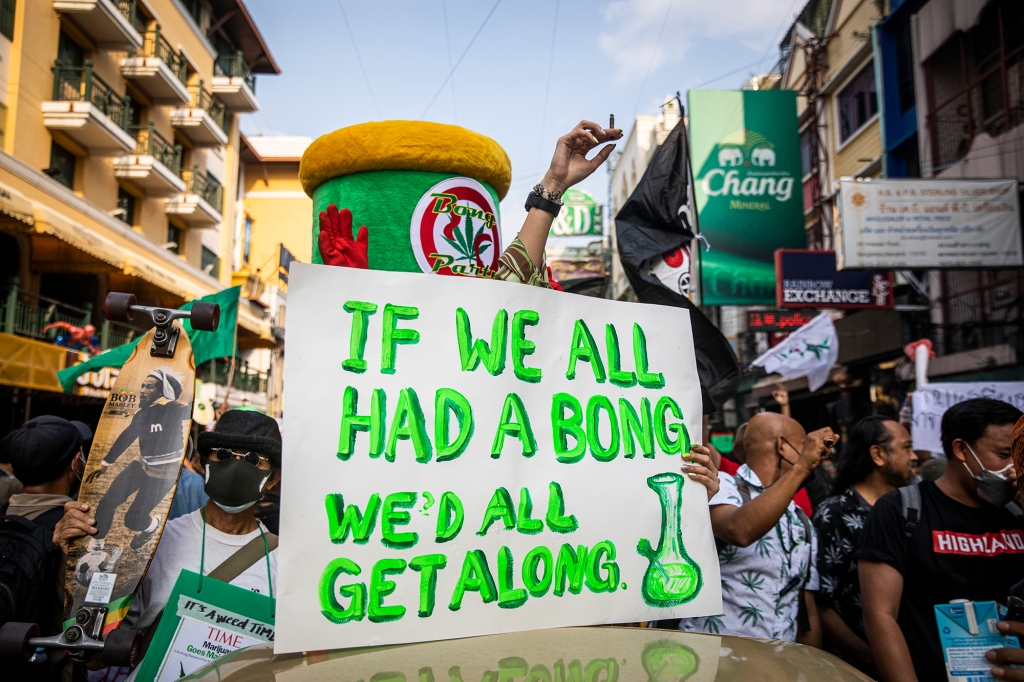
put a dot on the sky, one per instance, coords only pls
(534, 70)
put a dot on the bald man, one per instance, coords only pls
(766, 543)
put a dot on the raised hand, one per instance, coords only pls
(337, 247)
(75, 524)
(570, 164)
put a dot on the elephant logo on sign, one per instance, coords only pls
(730, 156)
(763, 156)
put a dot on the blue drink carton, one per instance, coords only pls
(967, 631)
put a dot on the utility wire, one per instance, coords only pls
(448, 43)
(547, 87)
(452, 72)
(359, 59)
(734, 71)
(650, 64)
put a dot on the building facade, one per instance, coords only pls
(119, 168)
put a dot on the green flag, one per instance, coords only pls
(205, 345)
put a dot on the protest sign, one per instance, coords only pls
(932, 401)
(466, 457)
(203, 620)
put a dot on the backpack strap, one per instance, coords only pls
(910, 498)
(1014, 509)
(236, 564)
(804, 521)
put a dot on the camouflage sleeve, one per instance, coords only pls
(515, 265)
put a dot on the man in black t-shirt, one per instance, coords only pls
(965, 545)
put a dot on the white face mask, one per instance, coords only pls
(993, 487)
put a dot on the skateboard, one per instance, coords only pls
(129, 482)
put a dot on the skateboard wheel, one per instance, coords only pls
(205, 317)
(122, 647)
(14, 639)
(116, 307)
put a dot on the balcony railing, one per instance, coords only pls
(130, 10)
(148, 142)
(27, 314)
(233, 66)
(203, 99)
(80, 84)
(154, 44)
(244, 378)
(205, 187)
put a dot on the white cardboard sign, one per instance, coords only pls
(526, 477)
(931, 402)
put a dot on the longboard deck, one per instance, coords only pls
(148, 461)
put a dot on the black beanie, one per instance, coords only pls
(244, 430)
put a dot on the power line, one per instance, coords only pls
(650, 64)
(448, 43)
(359, 59)
(726, 75)
(547, 88)
(452, 72)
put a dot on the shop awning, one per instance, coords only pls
(16, 205)
(254, 324)
(30, 364)
(67, 230)
(157, 274)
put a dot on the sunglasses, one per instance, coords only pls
(221, 454)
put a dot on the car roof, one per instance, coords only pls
(588, 654)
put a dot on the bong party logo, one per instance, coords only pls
(746, 171)
(454, 230)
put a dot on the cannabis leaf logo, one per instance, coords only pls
(467, 242)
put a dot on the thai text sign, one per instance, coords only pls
(810, 278)
(473, 457)
(581, 215)
(930, 402)
(929, 224)
(746, 161)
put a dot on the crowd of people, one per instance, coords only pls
(862, 576)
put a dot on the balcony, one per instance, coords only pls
(88, 111)
(111, 24)
(202, 121)
(234, 84)
(158, 70)
(154, 165)
(200, 205)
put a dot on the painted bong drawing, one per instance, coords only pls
(672, 577)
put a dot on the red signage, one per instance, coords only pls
(778, 320)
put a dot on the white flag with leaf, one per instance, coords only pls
(810, 351)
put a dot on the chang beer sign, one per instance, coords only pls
(746, 157)
(581, 215)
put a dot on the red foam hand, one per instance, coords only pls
(337, 247)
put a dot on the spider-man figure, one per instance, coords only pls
(75, 338)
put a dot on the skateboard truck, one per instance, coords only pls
(121, 307)
(82, 641)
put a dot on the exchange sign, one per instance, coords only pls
(468, 456)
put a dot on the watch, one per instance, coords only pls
(534, 200)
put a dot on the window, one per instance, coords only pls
(7, 8)
(175, 239)
(807, 150)
(62, 166)
(857, 103)
(69, 52)
(905, 67)
(210, 263)
(247, 241)
(125, 206)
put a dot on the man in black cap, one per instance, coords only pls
(157, 427)
(46, 456)
(243, 458)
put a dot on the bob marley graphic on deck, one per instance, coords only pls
(156, 428)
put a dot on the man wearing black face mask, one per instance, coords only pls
(964, 543)
(243, 457)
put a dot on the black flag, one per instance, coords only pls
(652, 222)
